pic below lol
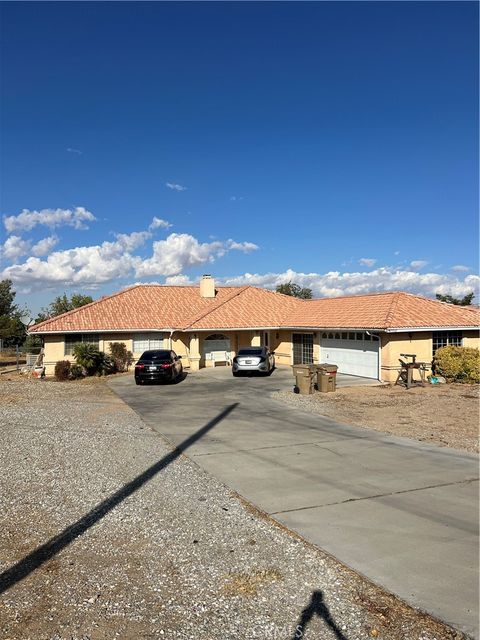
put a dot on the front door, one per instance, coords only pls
(302, 348)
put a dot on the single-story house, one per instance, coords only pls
(363, 334)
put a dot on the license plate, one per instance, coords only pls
(248, 362)
(153, 368)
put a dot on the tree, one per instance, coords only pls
(295, 290)
(62, 304)
(461, 302)
(12, 331)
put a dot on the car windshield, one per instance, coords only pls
(250, 352)
(156, 355)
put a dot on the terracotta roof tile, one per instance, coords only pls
(156, 307)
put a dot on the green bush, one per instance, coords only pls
(88, 356)
(106, 365)
(76, 371)
(458, 364)
(121, 357)
(62, 370)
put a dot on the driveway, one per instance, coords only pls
(401, 512)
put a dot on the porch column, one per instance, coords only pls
(194, 349)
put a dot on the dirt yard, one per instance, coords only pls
(447, 414)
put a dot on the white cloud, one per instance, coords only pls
(158, 223)
(130, 241)
(367, 262)
(178, 280)
(236, 198)
(335, 283)
(418, 264)
(246, 247)
(396, 253)
(178, 252)
(460, 268)
(76, 151)
(92, 266)
(175, 187)
(43, 247)
(15, 247)
(27, 220)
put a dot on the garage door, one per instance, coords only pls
(216, 347)
(355, 353)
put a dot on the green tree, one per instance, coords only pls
(461, 302)
(295, 290)
(62, 304)
(12, 331)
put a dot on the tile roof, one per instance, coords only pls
(394, 310)
(156, 307)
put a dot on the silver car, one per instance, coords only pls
(258, 359)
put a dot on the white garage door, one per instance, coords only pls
(216, 347)
(354, 352)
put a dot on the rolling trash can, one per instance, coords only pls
(304, 378)
(326, 377)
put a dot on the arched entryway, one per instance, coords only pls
(216, 346)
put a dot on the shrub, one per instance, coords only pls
(62, 370)
(106, 365)
(458, 364)
(88, 356)
(121, 357)
(76, 371)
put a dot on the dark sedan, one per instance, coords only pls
(158, 366)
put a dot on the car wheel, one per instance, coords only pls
(138, 381)
(235, 374)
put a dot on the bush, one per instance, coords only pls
(458, 364)
(121, 357)
(62, 370)
(76, 371)
(88, 356)
(106, 365)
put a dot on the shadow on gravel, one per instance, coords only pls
(34, 560)
(316, 607)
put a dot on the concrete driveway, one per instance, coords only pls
(403, 513)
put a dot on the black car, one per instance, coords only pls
(158, 365)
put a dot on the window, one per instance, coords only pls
(337, 336)
(359, 336)
(71, 339)
(351, 336)
(147, 341)
(446, 339)
(344, 335)
(324, 335)
(302, 348)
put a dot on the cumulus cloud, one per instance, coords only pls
(178, 280)
(335, 283)
(76, 151)
(175, 187)
(246, 247)
(158, 223)
(178, 252)
(418, 264)
(14, 247)
(92, 266)
(43, 247)
(367, 262)
(460, 268)
(52, 218)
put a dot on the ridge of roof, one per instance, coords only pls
(219, 304)
(393, 306)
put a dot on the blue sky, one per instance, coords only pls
(332, 143)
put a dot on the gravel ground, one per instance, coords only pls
(179, 557)
(447, 414)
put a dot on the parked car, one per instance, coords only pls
(258, 359)
(158, 365)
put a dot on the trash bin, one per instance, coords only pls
(326, 377)
(304, 378)
(326, 382)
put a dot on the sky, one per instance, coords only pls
(332, 144)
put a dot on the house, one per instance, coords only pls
(364, 335)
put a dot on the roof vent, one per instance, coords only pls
(207, 286)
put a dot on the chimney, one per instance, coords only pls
(207, 287)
